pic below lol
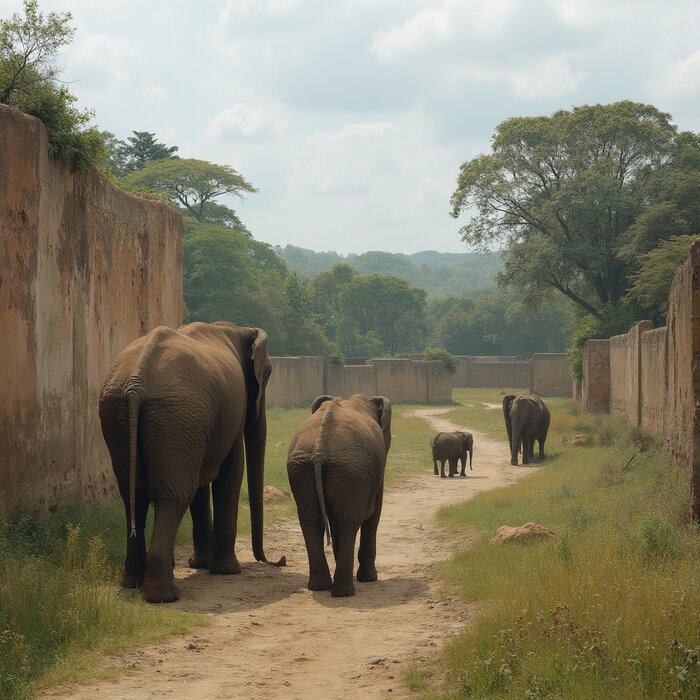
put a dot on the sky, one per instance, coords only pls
(352, 118)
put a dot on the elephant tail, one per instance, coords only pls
(134, 400)
(318, 458)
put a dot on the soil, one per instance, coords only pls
(272, 638)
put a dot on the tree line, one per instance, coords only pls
(593, 210)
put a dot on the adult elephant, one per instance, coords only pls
(336, 467)
(452, 448)
(176, 409)
(527, 419)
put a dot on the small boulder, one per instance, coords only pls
(270, 493)
(579, 441)
(522, 533)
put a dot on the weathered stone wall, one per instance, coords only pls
(652, 379)
(350, 379)
(682, 413)
(654, 375)
(84, 269)
(550, 375)
(297, 381)
(625, 362)
(595, 385)
(500, 375)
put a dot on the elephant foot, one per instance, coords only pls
(342, 590)
(132, 581)
(320, 583)
(366, 573)
(462, 474)
(225, 567)
(514, 462)
(450, 475)
(200, 560)
(442, 476)
(159, 592)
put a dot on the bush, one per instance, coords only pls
(441, 354)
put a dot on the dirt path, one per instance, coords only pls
(272, 638)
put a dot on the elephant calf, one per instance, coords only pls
(527, 419)
(452, 448)
(336, 472)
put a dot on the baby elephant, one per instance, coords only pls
(336, 466)
(452, 447)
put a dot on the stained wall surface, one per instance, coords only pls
(550, 375)
(595, 385)
(655, 375)
(500, 375)
(85, 269)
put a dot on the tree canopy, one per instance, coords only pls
(561, 192)
(123, 157)
(189, 182)
(29, 80)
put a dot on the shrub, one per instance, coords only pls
(443, 355)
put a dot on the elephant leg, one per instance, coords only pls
(367, 553)
(515, 446)
(464, 464)
(453, 466)
(526, 449)
(319, 573)
(541, 442)
(344, 536)
(442, 468)
(200, 510)
(226, 489)
(159, 582)
(435, 467)
(135, 562)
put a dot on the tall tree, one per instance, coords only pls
(561, 191)
(143, 147)
(389, 307)
(189, 182)
(29, 80)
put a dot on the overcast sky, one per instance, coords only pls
(352, 118)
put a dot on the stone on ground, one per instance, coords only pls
(522, 533)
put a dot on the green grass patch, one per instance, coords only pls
(610, 607)
(61, 608)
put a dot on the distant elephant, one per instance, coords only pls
(176, 409)
(527, 419)
(452, 447)
(336, 467)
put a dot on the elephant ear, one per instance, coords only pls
(384, 406)
(316, 403)
(261, 365)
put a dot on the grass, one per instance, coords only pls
(610, 607)
(61, 608)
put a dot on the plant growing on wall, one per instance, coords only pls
(29, 80)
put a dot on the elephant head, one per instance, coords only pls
(468, 445)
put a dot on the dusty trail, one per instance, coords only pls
(272, 638)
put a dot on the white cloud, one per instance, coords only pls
(552, 77)
(242, 121)
(349, 160)
(108, 56)
(681, 79)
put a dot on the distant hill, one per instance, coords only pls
(440, 274)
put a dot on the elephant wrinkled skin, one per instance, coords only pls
(453, 448)
(527, 419)
(336, 467)
(176, 409)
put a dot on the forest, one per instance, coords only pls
(575, 222)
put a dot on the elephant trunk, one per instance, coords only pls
(255, 438)
(471, 453)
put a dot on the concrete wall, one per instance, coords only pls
(652, 379)
(349, 380)
(595, 385)
(682, 411)
(546, 374)
(500, 375)
(84, 269)
(654, 375)
(550, 375)
(297, 381)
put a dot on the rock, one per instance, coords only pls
(270, 493)
(579, 441)
(522, 533)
